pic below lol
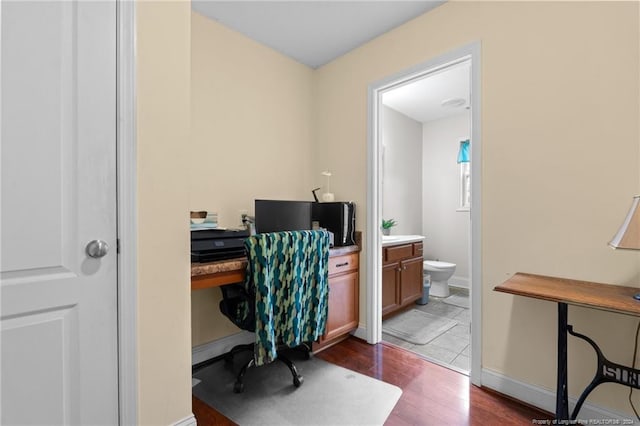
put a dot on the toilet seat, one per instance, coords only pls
(437, 265)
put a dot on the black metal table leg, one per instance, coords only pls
(562, 397)
(606, 372)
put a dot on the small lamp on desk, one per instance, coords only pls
(628, 236)
(327, 197)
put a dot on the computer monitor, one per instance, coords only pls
(281, 215)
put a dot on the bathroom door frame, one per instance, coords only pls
(373, 325)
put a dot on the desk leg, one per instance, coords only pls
(562, 398)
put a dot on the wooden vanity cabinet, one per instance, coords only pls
(390, 288)
(401, 276)
(343, 316)
(410, 280)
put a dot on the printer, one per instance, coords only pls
(208, 245)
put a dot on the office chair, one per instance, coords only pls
(283, 299)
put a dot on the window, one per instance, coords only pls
(465, 176)
(465, 186)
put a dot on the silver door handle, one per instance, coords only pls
(97, 248)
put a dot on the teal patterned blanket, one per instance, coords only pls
(290, 273)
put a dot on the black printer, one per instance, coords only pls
(208, 245)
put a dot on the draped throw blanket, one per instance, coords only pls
(288, 273)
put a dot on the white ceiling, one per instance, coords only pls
(422, 99)
(313, 32)
(317, 32)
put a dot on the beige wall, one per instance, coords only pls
(560, 158)
(251, 138)
(163, 113)
(560, 155)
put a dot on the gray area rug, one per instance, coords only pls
(329, 395)
(417, 327)
(457, 300)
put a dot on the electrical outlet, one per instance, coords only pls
(242, 214)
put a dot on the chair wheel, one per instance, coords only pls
(238, 387)
(297, 381)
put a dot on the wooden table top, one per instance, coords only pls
(608, 297)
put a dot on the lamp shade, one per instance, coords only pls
(628, 236)
(463, 154)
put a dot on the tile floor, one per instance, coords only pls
(450, 348)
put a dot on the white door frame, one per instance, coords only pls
(127, 213)
(374, 244)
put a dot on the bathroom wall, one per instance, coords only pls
(446, 229)
(402, 171)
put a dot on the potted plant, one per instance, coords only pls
(387, 225)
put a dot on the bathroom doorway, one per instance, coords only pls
(423, 165)
(425, 127)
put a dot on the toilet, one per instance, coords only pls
(440, 273)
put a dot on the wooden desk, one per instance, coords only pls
(612, 298)
(223, 272)
(218, 273)
(344, 281)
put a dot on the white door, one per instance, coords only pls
(58, 304)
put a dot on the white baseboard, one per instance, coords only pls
(544, 398)
(218, 347)
(187, 421)
(533, 395)
(361, 333)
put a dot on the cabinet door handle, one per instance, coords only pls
(339, 265)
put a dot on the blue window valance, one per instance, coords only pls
(463, 154)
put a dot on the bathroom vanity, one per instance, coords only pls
(401, 272)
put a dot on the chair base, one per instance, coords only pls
(238, 386)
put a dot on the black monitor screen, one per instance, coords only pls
(280, 215)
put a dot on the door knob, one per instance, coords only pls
(97, 248)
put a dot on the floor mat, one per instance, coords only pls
(417, 327)
(329, 395)
(457, 300)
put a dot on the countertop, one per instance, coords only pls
(393, 240)
(200, 269)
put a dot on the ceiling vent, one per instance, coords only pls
(453, 103)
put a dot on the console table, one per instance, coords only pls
(613, 298)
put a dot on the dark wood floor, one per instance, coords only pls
(431, 394)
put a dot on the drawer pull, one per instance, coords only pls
(338, 265)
